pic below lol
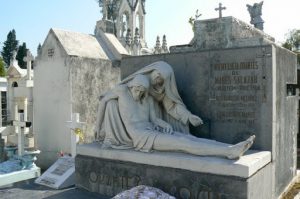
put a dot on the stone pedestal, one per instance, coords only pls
(110, 171)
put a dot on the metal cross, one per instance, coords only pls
(220, 8)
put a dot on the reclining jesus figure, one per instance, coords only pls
(128, 119)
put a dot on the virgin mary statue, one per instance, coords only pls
(168, 104)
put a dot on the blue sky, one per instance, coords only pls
(32, 19)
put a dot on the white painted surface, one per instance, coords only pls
(52, 103)
(60, 175)
(19, 98)
(73, 125)
(66, 84)
(245, 167)
(17, 176)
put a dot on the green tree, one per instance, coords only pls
(10, 45)
(22, 52)
(2, 68)
(293, 42)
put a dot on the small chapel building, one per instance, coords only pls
(71, 71)
(17, 103)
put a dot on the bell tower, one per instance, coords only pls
(124, 18)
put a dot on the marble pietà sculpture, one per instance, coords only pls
(145, 112)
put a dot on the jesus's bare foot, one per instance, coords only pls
(237, 150)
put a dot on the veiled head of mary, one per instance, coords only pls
(162, 81)
(156, 79)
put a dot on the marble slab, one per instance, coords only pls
(245, 167)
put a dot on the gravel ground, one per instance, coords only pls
(29, 190)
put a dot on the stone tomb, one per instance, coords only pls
(239, 92)
(239, 87)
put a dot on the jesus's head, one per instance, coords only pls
(139, 86)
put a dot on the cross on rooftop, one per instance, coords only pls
(220, 8)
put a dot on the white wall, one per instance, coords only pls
(64, 84)
(52, 105)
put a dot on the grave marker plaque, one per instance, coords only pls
(60, 175)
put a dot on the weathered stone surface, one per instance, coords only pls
(226, 32)
(238, 92)
(110, 177)
(79, 44)
(90, 78)
(27, 189)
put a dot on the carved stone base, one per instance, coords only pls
(109, 177)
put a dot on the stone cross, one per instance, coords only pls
(13, 59)
(29, 58)
(74, 124)
(21, 134)
(220, 8)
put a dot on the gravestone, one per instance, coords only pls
(235, 78)
(62, 173)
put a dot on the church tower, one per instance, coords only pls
(125, 19)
